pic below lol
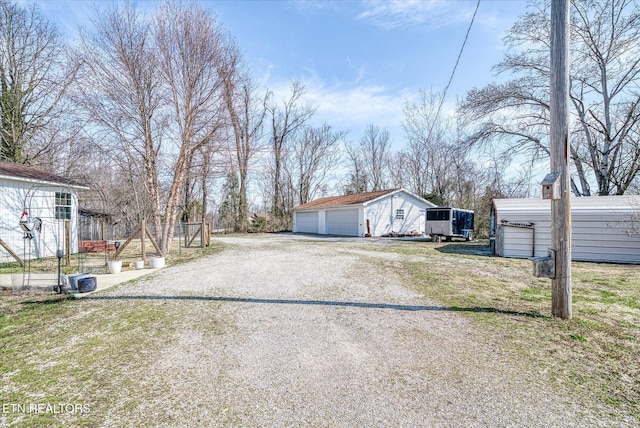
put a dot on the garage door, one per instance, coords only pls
(307, 222)
(342, 222)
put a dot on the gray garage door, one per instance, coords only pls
(342, 222)
(307, 222)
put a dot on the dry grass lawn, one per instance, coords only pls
(597, 353)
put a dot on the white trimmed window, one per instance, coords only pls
(63, 206)
(399, 214)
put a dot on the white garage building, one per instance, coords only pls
(603, 228)
(375, 213)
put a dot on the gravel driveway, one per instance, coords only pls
(279, 330)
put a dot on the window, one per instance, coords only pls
(63, 206)
(399, 214)
(438, 215)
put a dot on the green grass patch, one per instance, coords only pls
(10, 267)
(56, 349)
(578, 337)
(581, 352)
(535, 295)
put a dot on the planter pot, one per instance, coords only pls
(71, 281)
(139, 264)
(87, 284)
(156, 262)
(115, 266)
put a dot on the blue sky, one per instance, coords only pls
(360, 60)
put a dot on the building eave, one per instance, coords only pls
(43, 182)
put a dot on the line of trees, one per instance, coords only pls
(163, 107)
(604, 73)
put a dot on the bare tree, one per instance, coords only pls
(605, 72)
(315, 153)
(439, 165)
(357, 180)
(121, 92)
(605, 92)
(154, 87)
(369, 161)
(189, 41)
(35, 75)
(286, 119)
(246, 111)
(426, 158)
(436, 162)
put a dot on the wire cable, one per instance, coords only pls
(455, 67)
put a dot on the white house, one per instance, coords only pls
(45, 203)
(603, 228)
(372, 213)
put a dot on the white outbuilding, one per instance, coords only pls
(38, 213)
(603, 228)
(363, 214)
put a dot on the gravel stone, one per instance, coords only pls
(284, 330)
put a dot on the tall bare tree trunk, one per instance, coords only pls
(121, 95)
(285, 121)
(190, 44)
(246, 117)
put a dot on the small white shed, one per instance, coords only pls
(603, 228)
(42, 199)
(385, 212)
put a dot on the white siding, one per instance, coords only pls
(343, 222)
(603, 228)
(38, 201)
(611, 238)
(350, 220)
(414, 214)
(306, 222)
(322, 222)
(12, 195)
(515, 241)
(383, 215)
(379, 215)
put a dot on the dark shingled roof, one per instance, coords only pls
(337, 201)
(23, 171)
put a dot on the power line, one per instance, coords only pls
(455, 67)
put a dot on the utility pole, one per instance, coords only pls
(559, 142)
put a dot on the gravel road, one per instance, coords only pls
(279, 330)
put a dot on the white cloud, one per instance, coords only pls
(312, 6)
(360, 70)
(353, 108)
(358, 105)
(390, 14)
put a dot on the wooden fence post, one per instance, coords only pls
(143, 238)
(13, 253)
